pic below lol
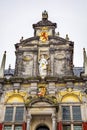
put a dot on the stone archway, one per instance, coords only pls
(42, 127)
(41, 113)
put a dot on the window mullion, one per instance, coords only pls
(14, 113)
(12, 127)
(72, 128)
(71, 113)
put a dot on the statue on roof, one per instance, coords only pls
(44, 15)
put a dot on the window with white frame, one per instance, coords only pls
(77, 127)
(9, 114)
(19, 113)
(71, 117)
(76, 112)
(6, 127)
(14, 115)
(18, 127)
(65, 112)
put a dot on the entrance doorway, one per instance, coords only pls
(42, 128)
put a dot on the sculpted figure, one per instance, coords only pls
(43, 66)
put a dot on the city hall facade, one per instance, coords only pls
(44, 91)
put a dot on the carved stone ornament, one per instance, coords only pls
(41, 91)
(44, 36)
(27, 58)
(59, 56)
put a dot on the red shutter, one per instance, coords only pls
(24, 126)
(60, 125)
(84, 124)
(0, 126)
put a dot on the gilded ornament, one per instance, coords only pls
(14, 96)
(41, 91)
(70, 95)
(44, 36)
(27, 58)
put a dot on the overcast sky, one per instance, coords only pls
(17, 17)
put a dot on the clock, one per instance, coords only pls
(43, 36)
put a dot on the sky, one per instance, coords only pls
(17, 17)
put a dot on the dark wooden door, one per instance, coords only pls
(42, 128)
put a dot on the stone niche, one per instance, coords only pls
(63, 61)
(26, 64)
(28, 60)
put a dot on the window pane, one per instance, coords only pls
(9, 114)
(66, 113)
(7, 127)
(79, 127)
(66, 127)
(19, 114)
(18, 127)
(76, 113)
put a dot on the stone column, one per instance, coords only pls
(28, 121)
(54, 124)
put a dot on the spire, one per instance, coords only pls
(2, 68)
(84, 56)
(85, 61)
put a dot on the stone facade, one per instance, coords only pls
(44, 91)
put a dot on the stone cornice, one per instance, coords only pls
(46, 80)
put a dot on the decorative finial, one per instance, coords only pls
(67, 38)
(58, 34)
(9, 66)
(21, 39)
(44, 15)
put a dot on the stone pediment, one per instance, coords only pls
(41, 104)
(35, 41)
(27, 42)
(40, 101)
(59, 40)
(44, 23)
